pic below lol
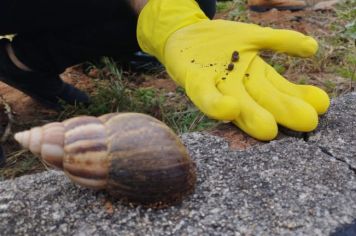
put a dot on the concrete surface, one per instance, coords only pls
(286, 187)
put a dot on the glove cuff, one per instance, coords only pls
(161, 18)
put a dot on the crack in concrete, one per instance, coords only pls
(305, 136)
(327, 152)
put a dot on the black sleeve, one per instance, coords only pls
(17, 16)
(208, 6)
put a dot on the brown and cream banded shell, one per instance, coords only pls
(133, 156)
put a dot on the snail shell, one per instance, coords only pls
(133, 156)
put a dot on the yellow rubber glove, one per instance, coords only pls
(196, 52)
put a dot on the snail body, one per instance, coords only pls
(133, 156)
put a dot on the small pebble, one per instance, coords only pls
(235, 56)
(230, 67)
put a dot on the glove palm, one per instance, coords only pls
(197, 51)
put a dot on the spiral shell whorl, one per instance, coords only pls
(46, 141)
(86, 157)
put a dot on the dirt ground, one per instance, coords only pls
(26, 112)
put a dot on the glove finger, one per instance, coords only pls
(315, 96)
(253, 119)
(256, 121)
(288, 111)
(286, 41)
(205, 95)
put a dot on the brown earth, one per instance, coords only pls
(25, 108)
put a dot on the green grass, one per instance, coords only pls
(336, 57)
(19, 163)
(115, 93)
(236, 10)
(346, 37)
(188, 120)
(224, 6)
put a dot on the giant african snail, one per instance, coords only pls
(133, 156)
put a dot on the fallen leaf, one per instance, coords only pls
(326, 5)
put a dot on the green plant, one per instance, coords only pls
(188, 120)
(239, 12)
(114, 93)
(19, 163)
(303, 79)
(224, 6)
(279, 68)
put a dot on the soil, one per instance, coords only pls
(25, 108)
(307, 21)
